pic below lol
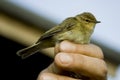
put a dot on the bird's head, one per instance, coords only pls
(87, 19)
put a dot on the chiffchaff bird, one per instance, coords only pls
(76, 29)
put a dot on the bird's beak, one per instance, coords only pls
(98, 22)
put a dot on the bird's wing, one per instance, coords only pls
(68, 23)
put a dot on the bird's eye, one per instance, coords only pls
(87, 20)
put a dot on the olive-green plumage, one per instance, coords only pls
(76, 29)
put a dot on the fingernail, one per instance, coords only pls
(48, 78)
(65, 58)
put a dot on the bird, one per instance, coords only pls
(77, 29)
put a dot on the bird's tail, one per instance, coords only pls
(26, 52)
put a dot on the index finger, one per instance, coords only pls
(86, 49)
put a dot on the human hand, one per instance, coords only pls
(86, 60)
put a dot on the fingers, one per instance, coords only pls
(86, 60)
(52, 76)
(86, 49)
(88, 66)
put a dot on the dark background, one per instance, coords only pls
(15, 68)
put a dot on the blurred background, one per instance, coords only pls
(23, 21)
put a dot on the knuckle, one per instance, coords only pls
(42, 76)
(99, 52)
(104, 70)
